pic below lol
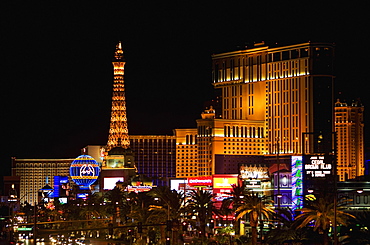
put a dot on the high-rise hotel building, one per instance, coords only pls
(155, 156)
(270, 97)
(349, 126)
(36, 173)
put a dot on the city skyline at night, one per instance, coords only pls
(57, 70)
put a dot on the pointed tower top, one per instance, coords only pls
(118, 132)
(118, 55)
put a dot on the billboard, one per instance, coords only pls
(110, 182)
(224, 181)
(297, 182)
(222, 185)
(200, 181)
(254, 172)
(61, 186)
(318, 166)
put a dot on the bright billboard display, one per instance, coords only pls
(61, 186)
(200, 181)
(224, 181)
(297, 182)
(222, 185)
(317, 166)
(110, 182)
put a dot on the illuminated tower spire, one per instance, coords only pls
(118, 131)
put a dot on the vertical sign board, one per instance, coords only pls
(297, 182)
(61, 186)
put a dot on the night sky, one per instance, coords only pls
(56, 71)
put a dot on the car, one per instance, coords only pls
(40, 239)
(85, 242)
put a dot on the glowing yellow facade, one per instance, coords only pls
(118, 131)
(186, 153)
(197, 149)
(270, 96)
(349, 126)
(288, 87)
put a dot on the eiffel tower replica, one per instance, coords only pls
(119, 162)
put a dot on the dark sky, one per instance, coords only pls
(56, 71)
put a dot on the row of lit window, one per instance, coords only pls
(243, 152)
(186, 146)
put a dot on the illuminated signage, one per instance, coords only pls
(254, 172)
(253, 183)
(82, 195)
(178, 184)
(25, 229)
(110, 182)
(317, 167)
(224, 181)
(84, 171)
(297, 182)
(138, 188)
(61, 186)
(200, 181)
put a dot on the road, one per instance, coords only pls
(31, 242)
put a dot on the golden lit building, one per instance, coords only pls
(270, 96)
(186, 153)
(288, 87)
(349, 126)
(218, 146)
(223, 143)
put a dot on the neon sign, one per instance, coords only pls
(84, 171)
(200, 181)
(297, 182)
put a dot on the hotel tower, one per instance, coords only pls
(270, 96)
(349, 126)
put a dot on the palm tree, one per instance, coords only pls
(231, 203)
(170, 203)
(255, 207)
(200, 205)
(286, 231)
(358, 231)
(321, 212)
(115, 198)
(169, 200)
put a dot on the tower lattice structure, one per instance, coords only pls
(118, 131)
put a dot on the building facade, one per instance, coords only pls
(36, 173)
(288, 87)
(349, 128)
(270, 97)
(186, 153)
(155, 156)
